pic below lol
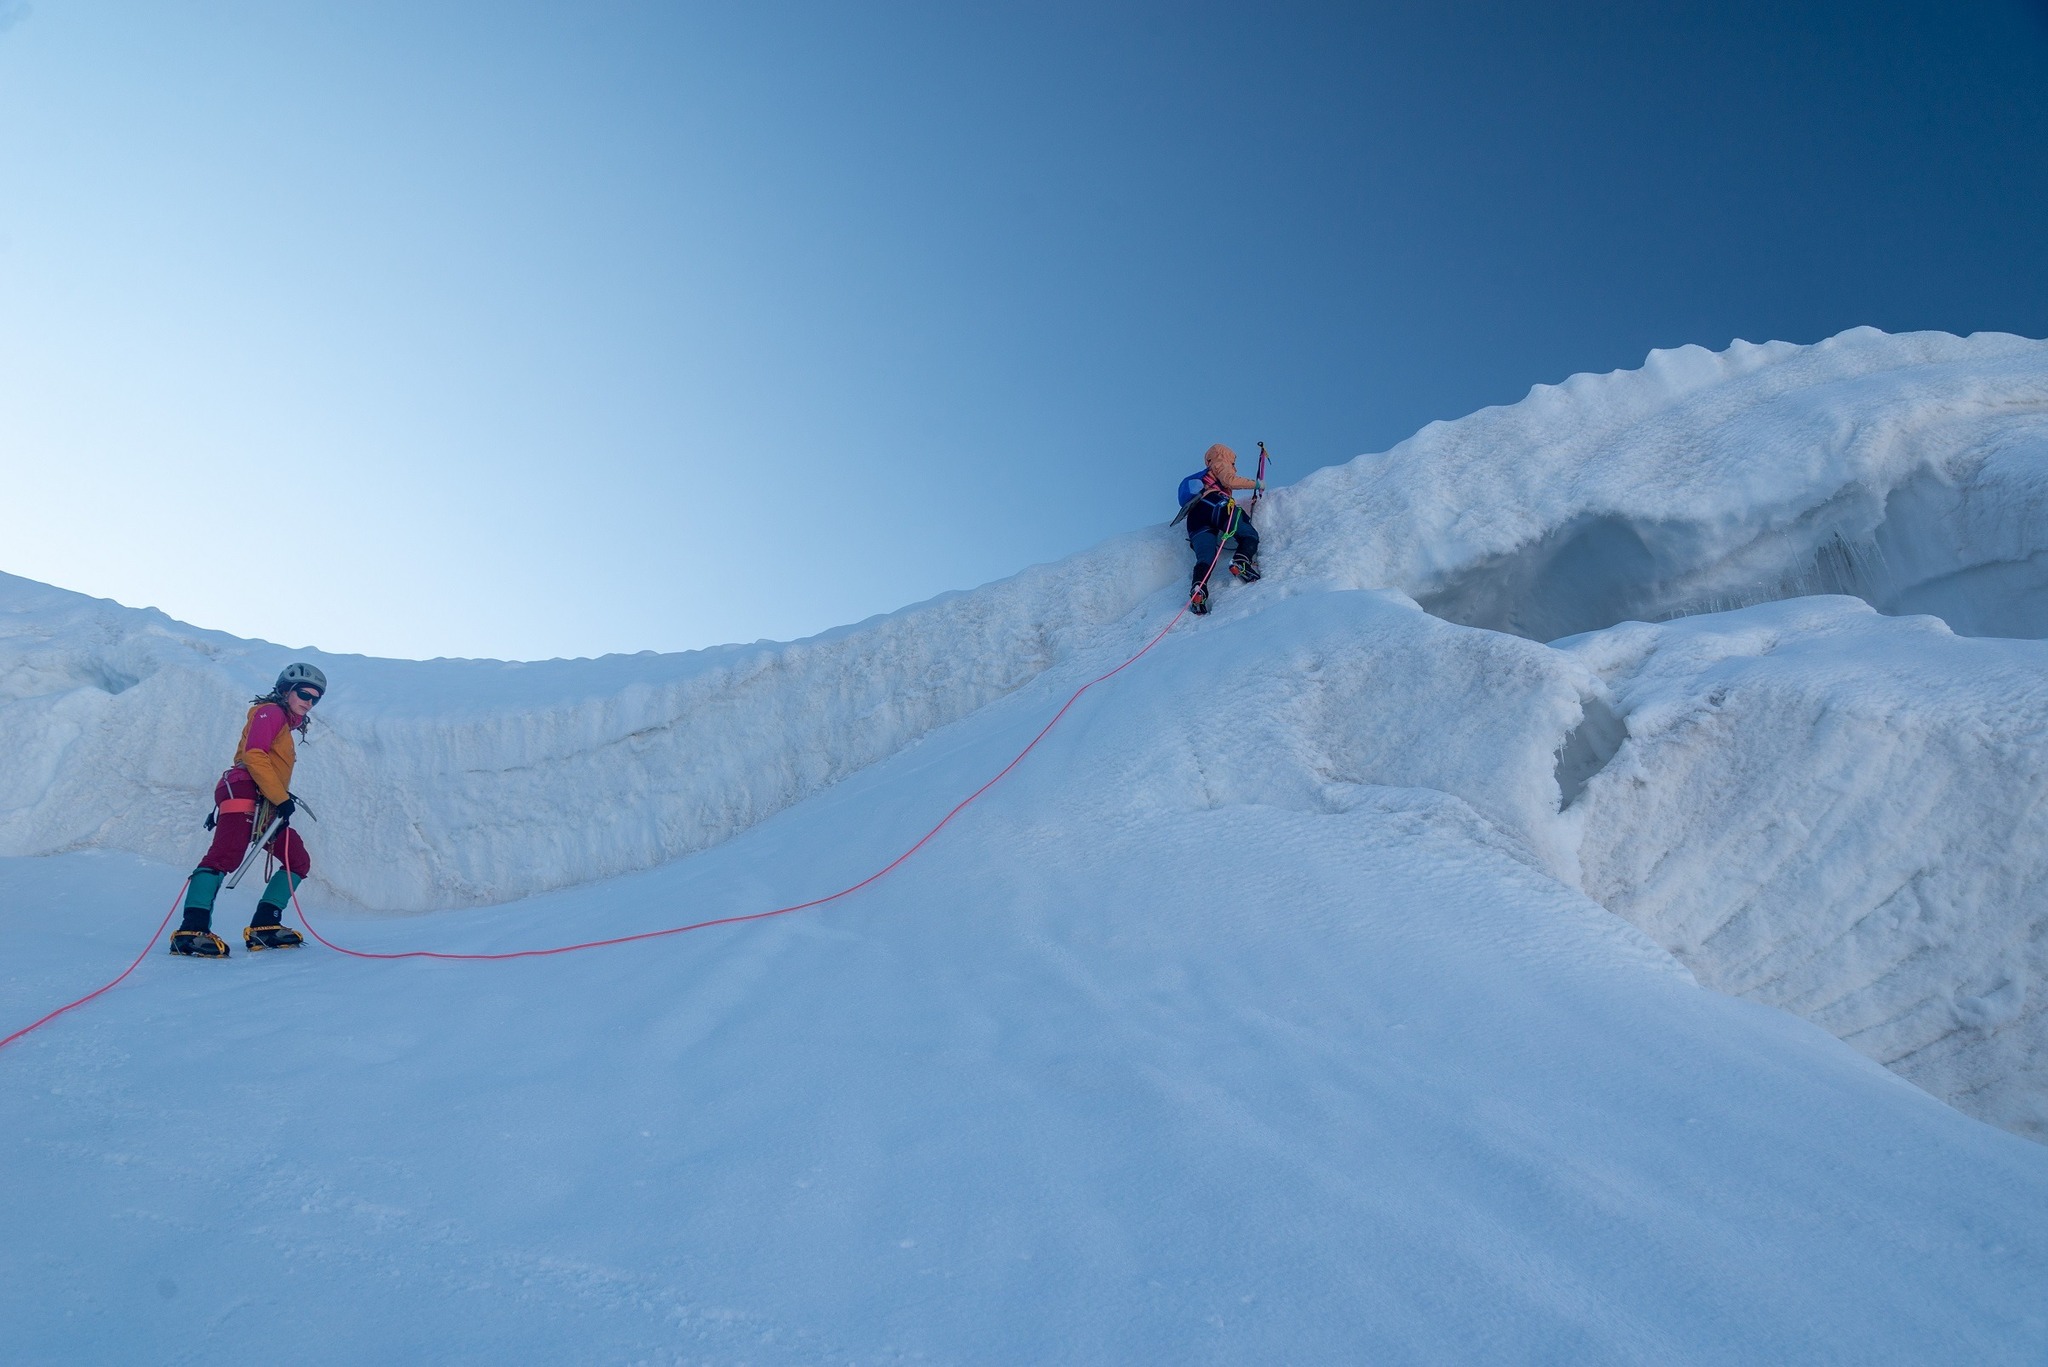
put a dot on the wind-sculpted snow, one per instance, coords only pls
(1846, 816)
(1345, 695)
(1910, 470)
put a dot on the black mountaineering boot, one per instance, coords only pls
(198, 944)
(265, 932)
(1244, 567)
(194, 938)
(1198, 602)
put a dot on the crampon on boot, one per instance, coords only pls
(265, 932)
(1244, 567)
(198, 944)
(1198, 604)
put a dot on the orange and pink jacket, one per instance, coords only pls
(266, 751)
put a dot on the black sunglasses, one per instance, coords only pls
(307, 694)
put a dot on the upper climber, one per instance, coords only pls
(1208, 501)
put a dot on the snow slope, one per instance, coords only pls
(1318, 992)
(1125, 1068)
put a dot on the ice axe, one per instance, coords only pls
(254, 845)
(270, 830)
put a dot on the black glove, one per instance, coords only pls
(283, 811)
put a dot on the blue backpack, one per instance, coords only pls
(1190, 491)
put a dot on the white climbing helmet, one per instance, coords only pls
(297, 674)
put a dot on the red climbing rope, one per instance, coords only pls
(876, 876)
(108, 987)
(848, 891)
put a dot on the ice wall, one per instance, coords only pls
(1844, 815)
(458, 782)
(1905, 469)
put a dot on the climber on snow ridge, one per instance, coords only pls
(1208, 501)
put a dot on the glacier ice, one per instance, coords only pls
(1326, 988)
(1770, 816)
(1907, 470)
(1844, 815)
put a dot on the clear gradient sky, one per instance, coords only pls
(529, 330)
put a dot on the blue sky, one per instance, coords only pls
(532, 330)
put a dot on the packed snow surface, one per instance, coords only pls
(1347, 981)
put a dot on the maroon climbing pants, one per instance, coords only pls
(234, 808)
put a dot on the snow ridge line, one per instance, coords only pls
(876, 876)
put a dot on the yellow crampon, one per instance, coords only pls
(270, 937)
(198, 944)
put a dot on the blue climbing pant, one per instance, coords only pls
(1245, 542)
